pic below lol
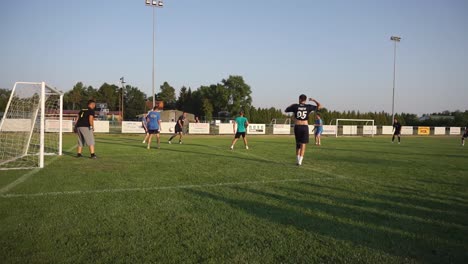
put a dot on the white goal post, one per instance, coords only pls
(367, 129)
(31, 127)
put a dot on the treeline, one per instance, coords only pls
(223, 101)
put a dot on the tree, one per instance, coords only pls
(76, 95)
(109, 94)
(239, 93)
(207, 109)
(134, 102)
(4, 97)
(183, 99)
(167, 95)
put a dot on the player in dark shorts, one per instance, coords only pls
(301, 125)
(179, 128)
(465, 135)
(397, 128)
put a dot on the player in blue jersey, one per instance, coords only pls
(318, 129)
(301, 125)
(241, 123)
(153, 120)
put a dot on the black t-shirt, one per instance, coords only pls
(301, 111)
(397, 126)
(83, 117)
(181, 119)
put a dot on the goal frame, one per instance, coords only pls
(355, 120)
(41, 109)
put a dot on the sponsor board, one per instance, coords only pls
(168, 127)
(225, 129)
(52, 125)
(199, 128)
(424, 131)
(130, 127)
(282, 129)
(407, 130)
(16, 125)
(101, 126)
(256, 129)
(369, 130)
(455, 130)
(439, 130)
(349, 130)
(387, 130)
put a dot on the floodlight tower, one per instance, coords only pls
(395, 39)
(122, 82)
(154, 4)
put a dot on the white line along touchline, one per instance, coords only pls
(19, 195)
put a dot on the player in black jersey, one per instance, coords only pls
(465, 135)
(397, 128)
(301, 125)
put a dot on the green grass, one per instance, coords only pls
(355, 200)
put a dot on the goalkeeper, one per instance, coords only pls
(84, 128)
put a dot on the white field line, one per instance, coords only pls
(28, 175)
(145, 189)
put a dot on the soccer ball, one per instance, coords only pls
(171, 130)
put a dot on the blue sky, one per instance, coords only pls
(338, 52)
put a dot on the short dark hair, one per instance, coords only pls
(318, 115)
(302, 97)
(90, 101)
(155, 108)
(241, 112)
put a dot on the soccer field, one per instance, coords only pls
(355, 200)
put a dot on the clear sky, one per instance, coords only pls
(338, 52)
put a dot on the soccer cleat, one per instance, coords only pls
(144, 142)
(232, 147)
(93, 156)
(246, 147)
(148, 147)
(398, 143)
(169, 142)
(180, 142)
(79, 155)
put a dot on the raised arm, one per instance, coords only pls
(319, 105)
(289, 109)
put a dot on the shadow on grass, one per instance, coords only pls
(337, 225)
(419, 206)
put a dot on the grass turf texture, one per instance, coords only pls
(355, 200)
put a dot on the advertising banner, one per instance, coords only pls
(132, 127)
(225, 129)
(256, 129)
(168, 127)
(282, 129)
(387, 130)
(199, 128)
(407, 130)
(439, 130)
(101, 126)
(349, 130)
(455, 130)
(424, 131)
(369, 130)
(52, 125)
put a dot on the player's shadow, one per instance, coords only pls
(341, 223)
(418, 210)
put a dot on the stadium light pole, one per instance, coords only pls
(122, 82)
(154, 4)
(395, 39)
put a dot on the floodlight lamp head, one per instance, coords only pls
(395, 38)
(148, 2)
(160, 3)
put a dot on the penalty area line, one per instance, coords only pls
(28, 175)
(146, 189)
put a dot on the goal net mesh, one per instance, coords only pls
(22, 123)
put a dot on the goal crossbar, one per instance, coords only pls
(355, 120)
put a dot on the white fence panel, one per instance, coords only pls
(439, 130)
(199, 128)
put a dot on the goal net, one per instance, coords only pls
(355, 127)
(31, 127)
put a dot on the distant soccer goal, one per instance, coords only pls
(355, 127)
(31, 126)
